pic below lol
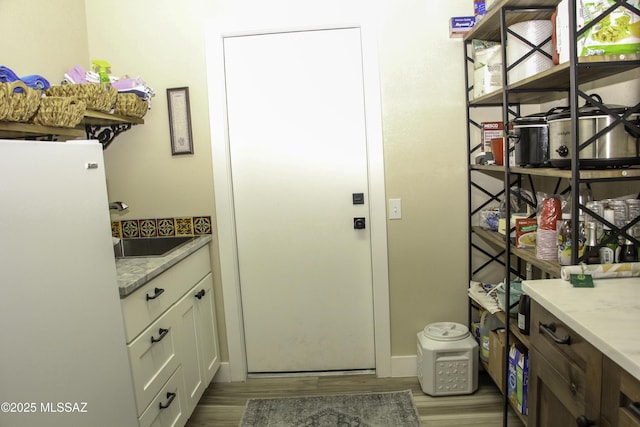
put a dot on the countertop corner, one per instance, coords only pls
(606, 315)
(135, 272)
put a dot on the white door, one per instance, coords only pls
(298, 154)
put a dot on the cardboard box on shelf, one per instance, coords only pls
(491, 130)
(526, 232)
(522, 375)
(518, 382)
(496, 364)
(460, 25)
(479, 9)
(616, 36)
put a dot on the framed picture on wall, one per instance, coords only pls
(180, 120)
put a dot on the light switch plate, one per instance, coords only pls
(395, 209)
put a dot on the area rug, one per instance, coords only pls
(363, 410)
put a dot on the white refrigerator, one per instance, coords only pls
(63, 358)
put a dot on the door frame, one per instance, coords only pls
(217, 31)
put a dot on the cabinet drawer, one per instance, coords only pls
(153, 356)
(560, 345)
(147, 303)
(629, 411)
(168, 407)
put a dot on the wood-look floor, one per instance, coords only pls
(223, 403)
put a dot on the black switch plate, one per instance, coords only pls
(358, 198)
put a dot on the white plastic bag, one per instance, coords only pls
(487, 67)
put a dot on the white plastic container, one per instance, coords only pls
(447, 359)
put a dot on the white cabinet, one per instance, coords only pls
(198, 345)
(207, 329)
(172, 341)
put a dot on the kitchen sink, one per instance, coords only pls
(149, 246)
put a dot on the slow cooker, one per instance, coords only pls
(614, 148)
(531, 138)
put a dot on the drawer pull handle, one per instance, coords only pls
(163, 333)
(583, 421)
(156, 293)
(200, 294)
(170, 397)
(550, 329)
(634, 407)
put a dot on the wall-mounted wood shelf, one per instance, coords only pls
(13, 130)
(96, 125)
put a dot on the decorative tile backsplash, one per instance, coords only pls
(161, 227)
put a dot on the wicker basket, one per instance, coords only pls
(95, 96)
(4, 100)
(60, 112)
(130, 104)
(20, 106)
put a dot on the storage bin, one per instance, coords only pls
(19, 102)
(95, 96)
(59, 112)
(447, 359)
(130, 104)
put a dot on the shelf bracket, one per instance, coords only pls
(47, 137)
(106, 134)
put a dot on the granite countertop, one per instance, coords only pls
(135, 272)
(607, 315)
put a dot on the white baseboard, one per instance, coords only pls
(224, 373)
(401, 366)
(404, 366)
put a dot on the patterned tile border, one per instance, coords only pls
(202, 224)
(184, 226)
(162, 227)
(166, 227)
(147, 227)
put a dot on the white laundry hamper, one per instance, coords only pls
(447, 359)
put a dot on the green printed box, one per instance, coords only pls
(518, 378)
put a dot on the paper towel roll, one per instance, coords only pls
(536, 32)
(602, 271)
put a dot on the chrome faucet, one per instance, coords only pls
(119, 206)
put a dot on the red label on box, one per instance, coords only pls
(491, 130)
(526, 230)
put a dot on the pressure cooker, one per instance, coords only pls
(615, 147)
(531, 138)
